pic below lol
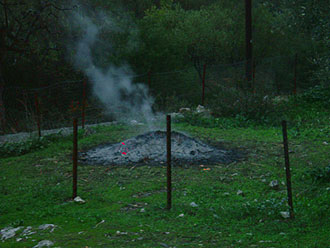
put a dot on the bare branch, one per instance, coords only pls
(63, 9)
(6, 15)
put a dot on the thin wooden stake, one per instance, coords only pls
(83, 105)
(149, 79)
(287, 167)
(203, 84)
(254, 76)
(169, 173)
(2, 110)
(75, 158)
(295, 75)
(36, 101)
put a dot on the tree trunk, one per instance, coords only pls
(2, 104)
(3, 51)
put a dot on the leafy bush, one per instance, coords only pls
(317, 94)
(232, 102)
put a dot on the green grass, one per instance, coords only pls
(35, 188)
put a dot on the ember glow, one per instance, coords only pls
(123, 149)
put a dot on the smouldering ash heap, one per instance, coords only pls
(150, 148)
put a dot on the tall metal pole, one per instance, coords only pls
(248, 41)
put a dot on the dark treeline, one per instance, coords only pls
(162, 35)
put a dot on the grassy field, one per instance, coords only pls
(125, 206)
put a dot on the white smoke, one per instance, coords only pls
(111, 84)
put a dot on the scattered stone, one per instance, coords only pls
(121, 233)
(285, 214)
(18, 239)
(283, 183)
(216, 216)
(201, 110)
(280, 99)
(226, 194)
(136, 123)
(139, 238)
(80, 232)
(142, 210)
(167, 232)
(164, 245)
(99, 223)
(193, 204)
(27, 231)
(265, 241)
(282, 233)
(183, 110)
(47, 226)
(44, 243)
(240, 192)
(250, 234)
(274, 184)
(325, 143)
(181, 215)
(78, 200)
(263, 180)
(176, 115)
(9, 232)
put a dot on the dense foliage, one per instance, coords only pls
(166, 35)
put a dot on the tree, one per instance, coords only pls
(26, 29)
(310, 20)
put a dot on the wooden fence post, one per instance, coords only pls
(287, 167)
(203, 85)
(36, 101)
(149, 79)
(2, 109)
(74, 158)
(169, 172)
(295, 75)
(254, 76)
(83, 105)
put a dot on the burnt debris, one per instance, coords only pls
(150, 148)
